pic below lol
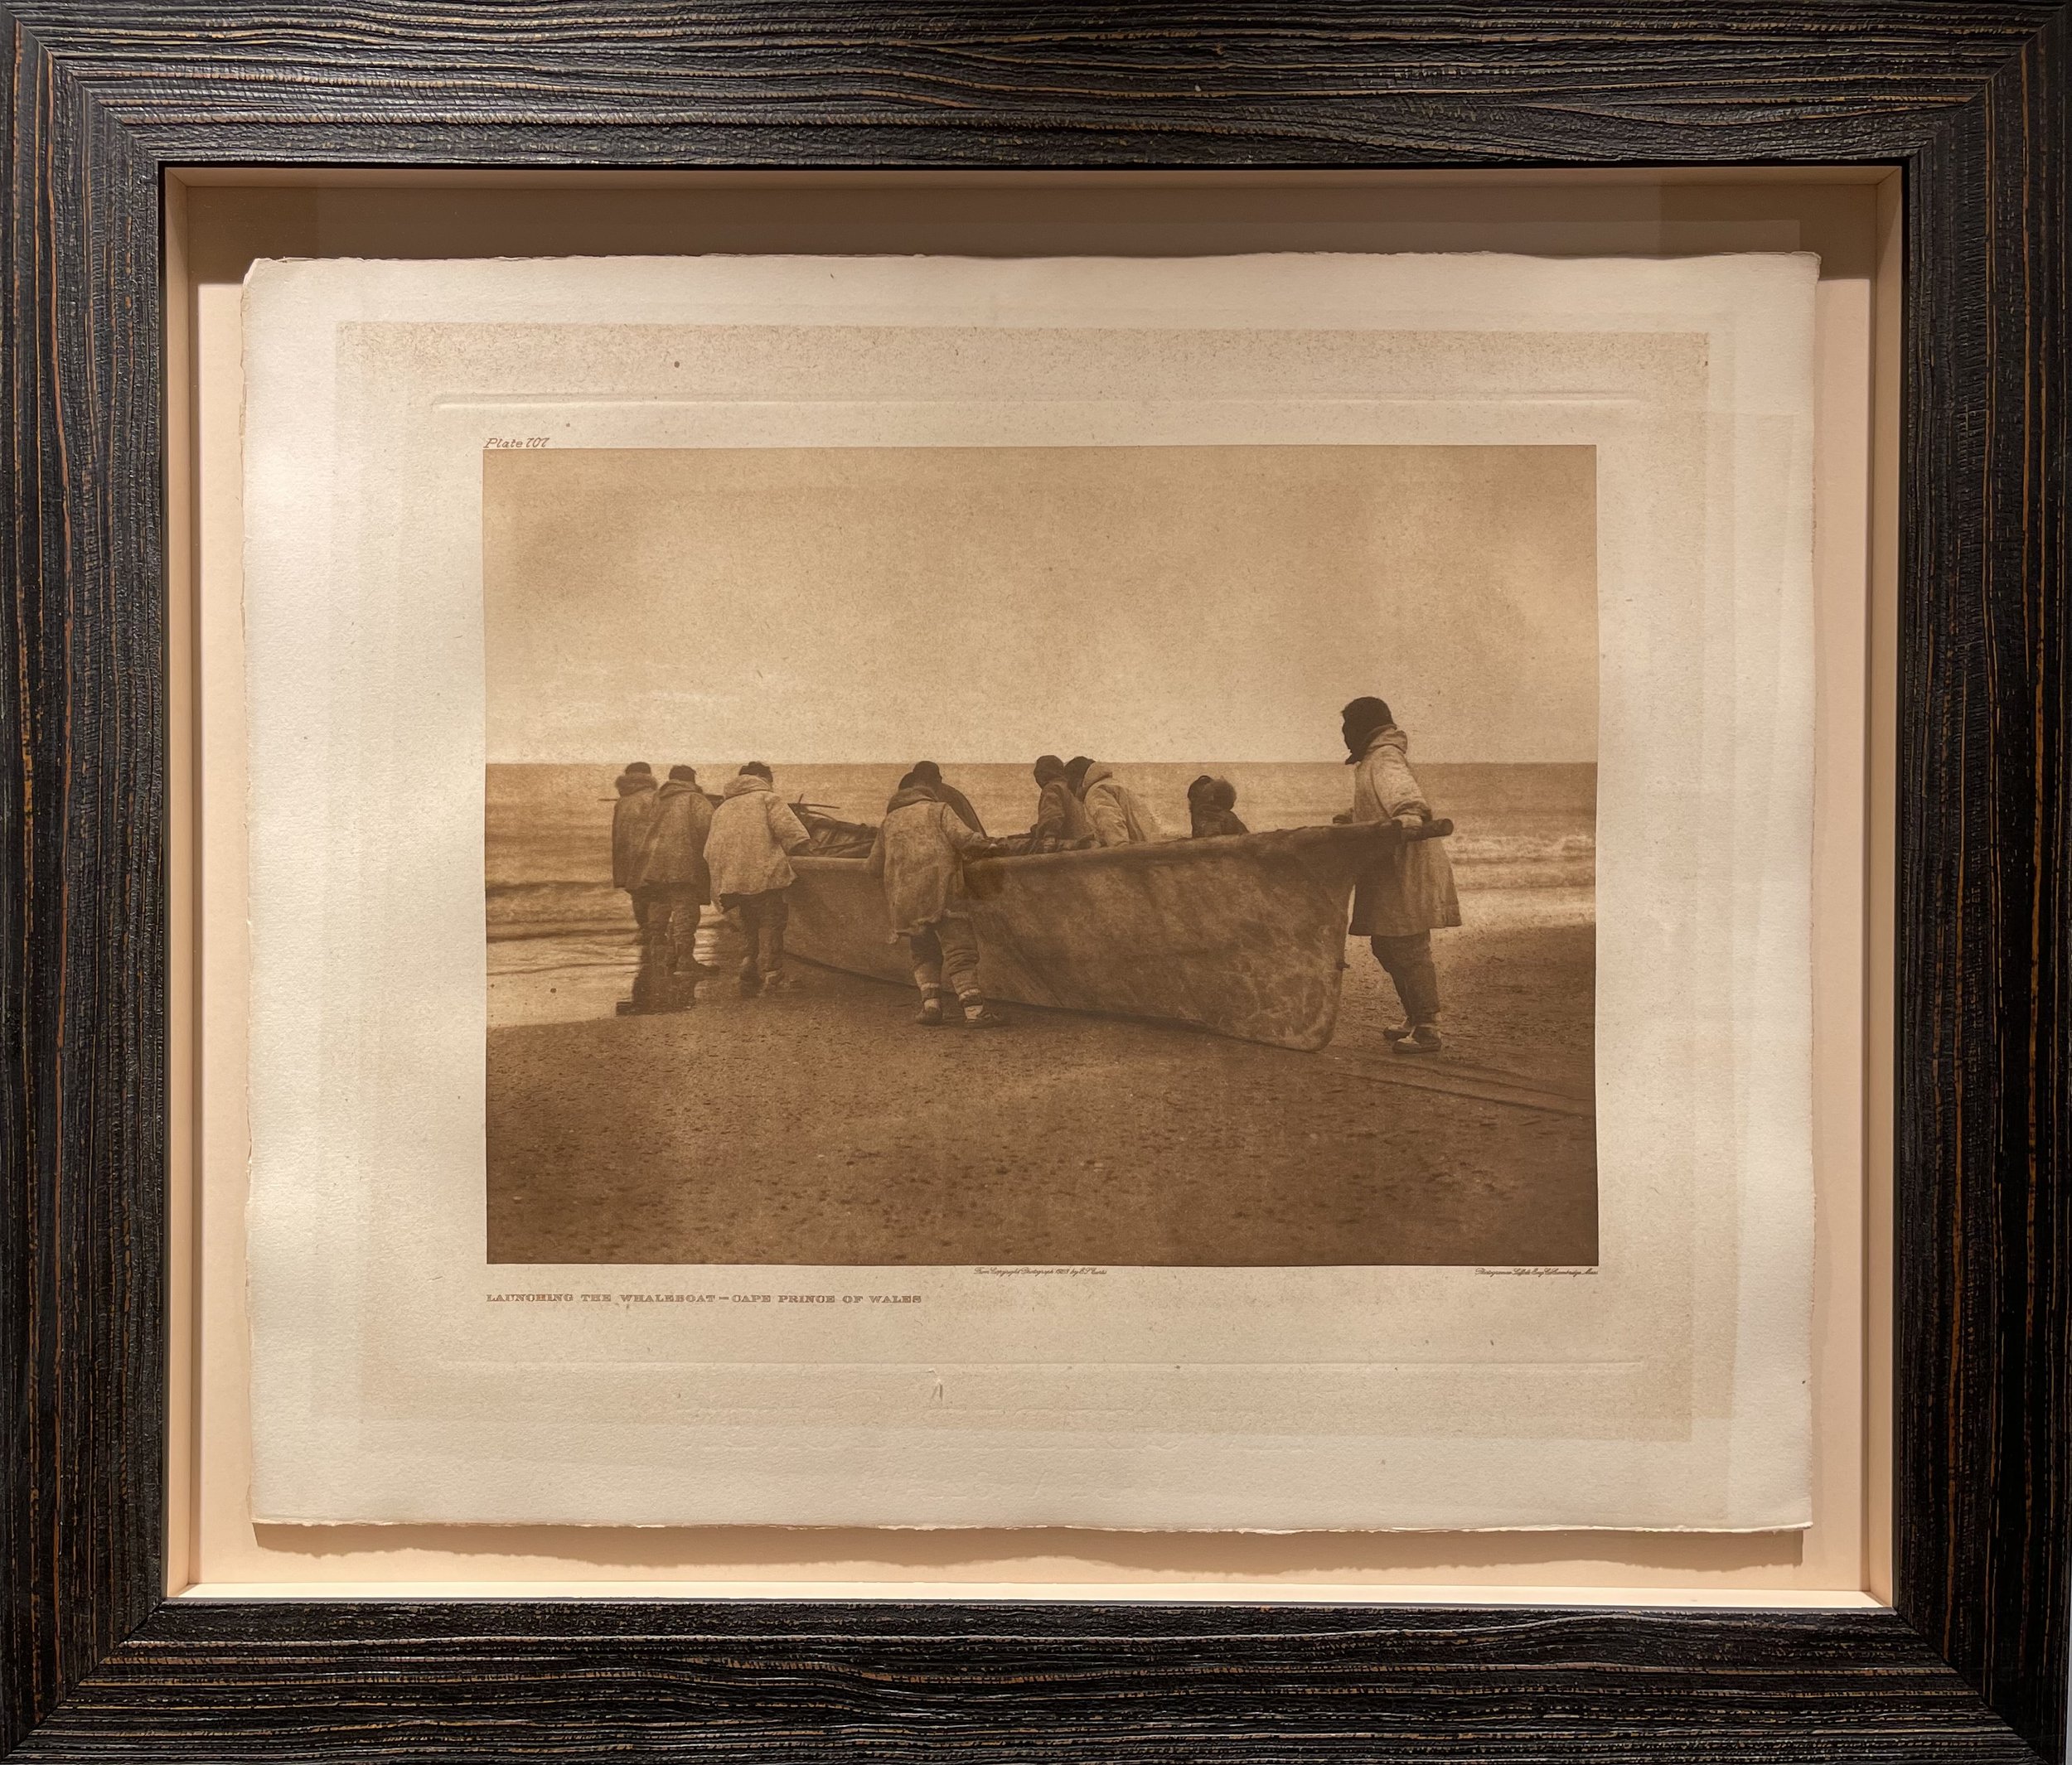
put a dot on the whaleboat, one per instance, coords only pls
(1243, 934)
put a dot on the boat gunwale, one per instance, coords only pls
(1376, 835)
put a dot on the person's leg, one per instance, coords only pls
(1385, 953)
(651, 911)
(682, 909)
(686, 912)
(656, 942)
(927, 951)
(750, 908)
(1407, 961)
(1422, 978)
(960, 966)
(672, 923)
(960, 955)
(777, 910)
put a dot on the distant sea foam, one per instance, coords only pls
(548, 857)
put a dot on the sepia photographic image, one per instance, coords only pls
(1248, 793)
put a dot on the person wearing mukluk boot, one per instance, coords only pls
(918, 858)
(1409, 892)
(747, 851)
(673, 886)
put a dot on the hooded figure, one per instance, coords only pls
(929, 776)
(1211, 805)
(673, 880)
(630, 816)
(1409, 891)
(1061, 818)
(1118, 816)
(918, 857)
(673, 854)
(753, 830)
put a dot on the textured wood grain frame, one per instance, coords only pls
(1970, 99)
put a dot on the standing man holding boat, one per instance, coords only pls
(747, 851)
(1409, 893)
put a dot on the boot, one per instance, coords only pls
(751, 979)
(777, 981)
(977, 1013)
(643, 993)
(1423, 1039)
(931, 1014)
(656, 990)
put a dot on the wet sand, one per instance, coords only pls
(824, 1127)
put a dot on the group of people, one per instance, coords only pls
(930, 831)
(1080, 803)
(674, 849)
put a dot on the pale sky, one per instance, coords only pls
(847, 604)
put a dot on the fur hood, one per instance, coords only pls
(1388, 736)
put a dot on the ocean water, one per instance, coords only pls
(548, 856)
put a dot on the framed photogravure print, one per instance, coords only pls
(1121, 891)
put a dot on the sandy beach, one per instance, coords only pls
(823, 1127)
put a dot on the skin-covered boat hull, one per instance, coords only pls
(1243, 935)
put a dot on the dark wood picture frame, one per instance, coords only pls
(1970, 99)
